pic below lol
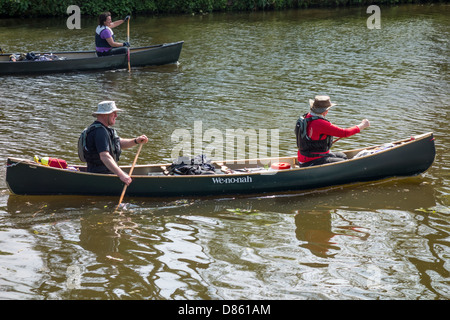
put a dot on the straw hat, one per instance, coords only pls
(106, 107)
(320, 104)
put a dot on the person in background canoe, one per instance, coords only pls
(104, 145)
(105, 42)
(315, 134)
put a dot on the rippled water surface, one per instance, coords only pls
(379, 240)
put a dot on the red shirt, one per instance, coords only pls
(322, 127)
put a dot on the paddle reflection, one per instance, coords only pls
(315, 227)
(103, 234)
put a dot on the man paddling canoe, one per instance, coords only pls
(315, 134)
(103, 146)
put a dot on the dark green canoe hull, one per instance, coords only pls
(88, 61)
(413, 157)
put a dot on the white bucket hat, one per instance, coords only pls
(106, 107)
(320, 104)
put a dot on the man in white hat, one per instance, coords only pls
(315, 134)
(103, 145)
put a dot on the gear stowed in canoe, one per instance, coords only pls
(406, 157)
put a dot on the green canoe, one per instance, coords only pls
(87, 60)
(407, 157)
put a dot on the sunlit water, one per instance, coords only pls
(380, 240)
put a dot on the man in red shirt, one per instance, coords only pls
(315, 134)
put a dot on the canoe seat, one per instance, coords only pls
(222, 167)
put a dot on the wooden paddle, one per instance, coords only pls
(128, 40)
(335, 140)
(130, 173)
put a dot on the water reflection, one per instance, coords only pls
(318, 227)
(171, 249)
(314, 228)
(383, 240)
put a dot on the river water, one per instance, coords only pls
(249, 71)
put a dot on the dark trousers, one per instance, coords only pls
(329, 158)
(113, 52)
(97, 168)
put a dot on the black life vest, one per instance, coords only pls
(92, 156)
(307, 146)
(99, 42)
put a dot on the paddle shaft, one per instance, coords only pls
(130, 173)
(128, 40)
(335, 140)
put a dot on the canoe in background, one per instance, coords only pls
(87, 60)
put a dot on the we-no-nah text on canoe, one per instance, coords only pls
(219, 180)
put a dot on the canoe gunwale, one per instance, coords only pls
(418, 154)
(293, 160)
(79, 61)
(132, 50)
(398, 144)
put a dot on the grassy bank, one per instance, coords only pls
(42, 8)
